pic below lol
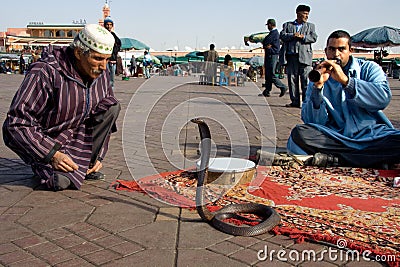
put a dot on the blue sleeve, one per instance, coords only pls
(370, 91)
(273, 39)
(314, 108)
(276, 43)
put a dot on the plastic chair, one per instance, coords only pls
(223, 80)
(232, 79)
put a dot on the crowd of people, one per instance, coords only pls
(62, 115)
(20, 64)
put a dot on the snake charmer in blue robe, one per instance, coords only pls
(352, 115)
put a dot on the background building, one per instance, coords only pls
(39, 34)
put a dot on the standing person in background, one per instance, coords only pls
(35, 56)
(132, 68)
(120, 67)
(21, 64)
(112, 64)
(297, 37)
(45, 52)
(271, 45)
(147, 64)
(212, 54)
(211, 58)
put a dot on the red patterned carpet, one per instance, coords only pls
(359, 207)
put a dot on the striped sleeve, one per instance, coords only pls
(26, 112)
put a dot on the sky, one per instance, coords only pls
(194, 25)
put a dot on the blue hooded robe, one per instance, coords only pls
(353, 114)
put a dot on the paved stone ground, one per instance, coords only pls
(98, 226)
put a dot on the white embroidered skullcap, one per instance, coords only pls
(97, 38)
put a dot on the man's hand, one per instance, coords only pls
(336, 72)
(299, 35)
(62, 162)
(96, 167)
(329, 68)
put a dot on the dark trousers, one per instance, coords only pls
(297, 77)
(103, 126)
(270, 78)
(383, 151)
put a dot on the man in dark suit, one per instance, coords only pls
(271, 45)
(297, 37)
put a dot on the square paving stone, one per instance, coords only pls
(29, 263)
(225, 248)
(157, 257)
(109, 241)
(55, 215)
(199, 235)
(43, 248)
(29, 241)
(202, 257)
(85, 249)
(15, 256)
(102, 256)
(75, 262)
(12, 231)
(160, 235)
(127, 248)
(247, 256)
(121, 216)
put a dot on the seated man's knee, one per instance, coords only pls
(303, 130)
(303, 136)
(296, 133)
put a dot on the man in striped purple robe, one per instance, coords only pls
(62, 115)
